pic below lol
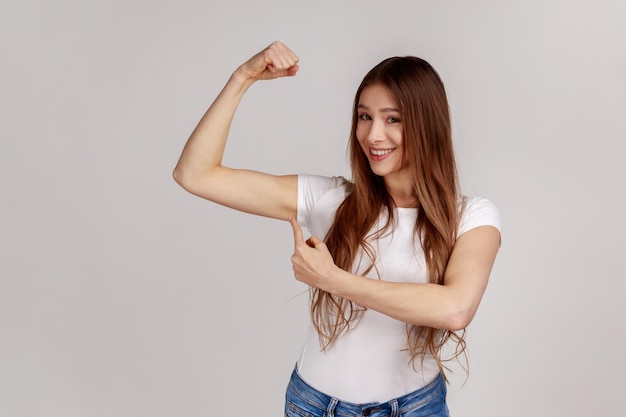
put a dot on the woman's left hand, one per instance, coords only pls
(312, 262)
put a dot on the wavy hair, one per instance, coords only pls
(428, 152)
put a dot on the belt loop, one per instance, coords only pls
(330, 410)
(394, 408)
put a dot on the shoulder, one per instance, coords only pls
(322, 182)
(311, 188)
(478, 211)
(319, 197)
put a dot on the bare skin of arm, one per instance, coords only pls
(450, 306)
(200, 170)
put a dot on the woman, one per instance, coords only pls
(398, 261)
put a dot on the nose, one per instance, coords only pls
(376, 133)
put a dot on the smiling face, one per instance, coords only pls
(379, 131)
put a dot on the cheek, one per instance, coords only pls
(361, 133)
(396, 135)
(361, 143)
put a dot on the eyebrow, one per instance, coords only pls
(383, 110)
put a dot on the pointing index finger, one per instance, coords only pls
(297, 230)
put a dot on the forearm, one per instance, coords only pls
(450, 306)
(420, 304)
(205, 147)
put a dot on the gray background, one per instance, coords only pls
(121, 295)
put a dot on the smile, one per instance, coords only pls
(381, 152)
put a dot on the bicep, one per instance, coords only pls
(470, 265)
(249, 191)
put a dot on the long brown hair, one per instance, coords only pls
(428, 152)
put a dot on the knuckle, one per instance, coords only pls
(274, 46)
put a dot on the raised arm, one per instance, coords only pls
(200, 170)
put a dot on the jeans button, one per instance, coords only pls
(367, 412)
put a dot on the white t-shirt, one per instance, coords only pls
(370, 362)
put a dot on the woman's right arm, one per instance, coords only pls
(200, 170)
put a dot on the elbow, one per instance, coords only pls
(179, 176)
(200, 183)
(184, 178)
(458, 318)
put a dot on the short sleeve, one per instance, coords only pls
(479, 212)
(318, 198)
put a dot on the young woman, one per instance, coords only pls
(398, 261)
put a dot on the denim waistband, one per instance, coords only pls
(392, 408)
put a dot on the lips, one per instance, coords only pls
(380, 154)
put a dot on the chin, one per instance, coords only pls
(380, 171)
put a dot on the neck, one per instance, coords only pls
(403, 193)
(405, 202)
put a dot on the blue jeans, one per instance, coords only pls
(302, 400)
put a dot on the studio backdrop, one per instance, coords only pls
(121, 295)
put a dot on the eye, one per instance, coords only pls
(393, 120)
(364, 116)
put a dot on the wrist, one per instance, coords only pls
(240, 76)
(237, 84)
(339, 282)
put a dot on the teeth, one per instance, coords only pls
(378, 152)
